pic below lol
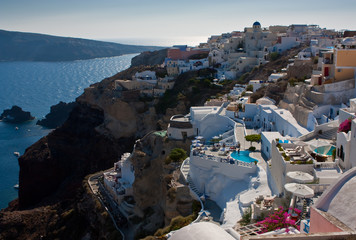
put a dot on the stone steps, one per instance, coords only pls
(330, 134)
(192, 186)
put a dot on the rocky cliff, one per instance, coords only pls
(159, 192)
(149, 58)
(79, 217)
(58, 114)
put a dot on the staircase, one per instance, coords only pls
(193, 187)
(330, 134)
(185, 169)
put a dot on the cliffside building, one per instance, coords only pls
(119, 180)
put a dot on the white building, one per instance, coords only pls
(266, 142)
(180, 128)
(145, 76)
(119, 180)
(274, 77)
(257, 84)
(284, 43)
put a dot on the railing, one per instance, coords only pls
(102, 203)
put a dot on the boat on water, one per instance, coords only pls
(16, 186)
(17, 154)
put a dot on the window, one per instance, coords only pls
(339, 70)
(342, 154)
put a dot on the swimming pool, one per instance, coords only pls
(243, 156)
(325, 150)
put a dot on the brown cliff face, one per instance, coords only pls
(157, 185)
(58, 161)
(81, 218)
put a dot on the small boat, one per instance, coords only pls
(17, 154)
(16, 186)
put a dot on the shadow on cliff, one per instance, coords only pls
(52, 169)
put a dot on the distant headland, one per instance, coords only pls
(20, 46)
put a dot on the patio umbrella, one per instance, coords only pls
(300, 177)
(196, 141)
(317, 143)
(299, 190)
(197, 145)
(199, 137)
(216, 137)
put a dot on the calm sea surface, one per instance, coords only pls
(35, 86)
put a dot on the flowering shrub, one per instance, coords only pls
(278, 220)
(345, 126)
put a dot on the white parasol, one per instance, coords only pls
(299, 190)
(300, 177)
(197, 145)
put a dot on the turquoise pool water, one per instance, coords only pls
(243, 156)
(325, 150)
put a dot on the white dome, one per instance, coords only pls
(201, 230)
(265, 101)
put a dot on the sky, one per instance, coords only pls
(165, 21)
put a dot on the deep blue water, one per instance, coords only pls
(35, 86)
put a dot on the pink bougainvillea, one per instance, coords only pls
(278, 220)
(345, 126)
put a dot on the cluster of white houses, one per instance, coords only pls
(317, 139)
(146, 83)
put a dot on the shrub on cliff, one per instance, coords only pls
(176, 155)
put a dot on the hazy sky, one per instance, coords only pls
(166, 19)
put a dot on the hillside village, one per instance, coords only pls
(249, 158)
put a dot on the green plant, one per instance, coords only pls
(316, 59)
(252, 148)
(246, 217)
(253, 138)
(333, 154)
(177, 155)
(249, 88)
(274, 56)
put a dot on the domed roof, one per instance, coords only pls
(256, 24)
(201, 230)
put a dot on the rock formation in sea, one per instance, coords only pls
(16, 115)
(57, 116)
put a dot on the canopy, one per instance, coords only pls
(299, 190)
(197, 145)
(317, 143)
(300, 177)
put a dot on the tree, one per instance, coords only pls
(253, 138)
(177, 155)
(273, 56)
(249, 88)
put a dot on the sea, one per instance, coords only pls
(35, 87)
